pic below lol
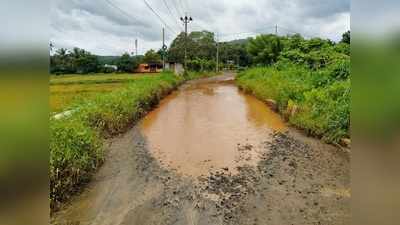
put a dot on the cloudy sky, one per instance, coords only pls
(109, 27)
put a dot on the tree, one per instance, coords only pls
(346, 37)
(200, 45)
(151, 56)
(126, 63)
(265, 49)
(61, 62)
(84, 62)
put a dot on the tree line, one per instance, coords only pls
(264, 49)
(80, 61)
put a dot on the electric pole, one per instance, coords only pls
(186, 20)
(136, 47)
(164, 47)
(276, 30)
(217, 58)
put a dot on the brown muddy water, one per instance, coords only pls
(208, 125)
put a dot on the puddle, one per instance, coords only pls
(208, 126)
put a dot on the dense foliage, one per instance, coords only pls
(309, 80)
(151, 56)
(75, 61)
(80, 61)
(76, 140)
(127, 63)
(202, 49)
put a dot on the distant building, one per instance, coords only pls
(111, 66)
(149, 68)
(177, 68)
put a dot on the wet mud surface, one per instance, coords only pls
(295, 180)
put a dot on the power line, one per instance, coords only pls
(176, 7)
(159, 17)
(200, 26)
(187, 5)
(119, 9)
(172, 15)
(181, 5)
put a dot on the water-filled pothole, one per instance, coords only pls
(207, 126)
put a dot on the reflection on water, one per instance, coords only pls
(208, 126)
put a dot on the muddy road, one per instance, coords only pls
(210, 154)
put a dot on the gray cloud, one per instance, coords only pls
(102, 29)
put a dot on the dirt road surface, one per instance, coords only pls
(262, 172)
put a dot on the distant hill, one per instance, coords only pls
(111, 60)
(236, 42)
(239, 41)
(107, 59)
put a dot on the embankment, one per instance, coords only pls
(76, 141)
(316, 101)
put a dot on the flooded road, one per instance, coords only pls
(200, 127)
(211, 155)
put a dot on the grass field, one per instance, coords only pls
(67, 89)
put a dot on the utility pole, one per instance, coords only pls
(163, 47)
(238, 61)
(217, 58)
(186, 20)
(276, 30)
(136, 47)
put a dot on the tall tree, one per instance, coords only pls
(265, 49)
(200, 44)
(346, 37)
(151, 56)
(126, 63)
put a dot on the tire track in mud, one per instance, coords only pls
(281, 189)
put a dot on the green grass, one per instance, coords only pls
(76, 141)
(93, 78)
(67, 89)
(192, 75)
(316, 101)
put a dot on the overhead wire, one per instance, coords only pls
(182, 7)
(121, 10)
(175, 19)
(159, 17)
(176, 7)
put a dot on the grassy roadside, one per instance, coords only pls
(316, 101)
(192, 75)
(76, 141)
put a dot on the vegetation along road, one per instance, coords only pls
(209, 153)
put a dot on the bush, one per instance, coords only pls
(200, 65)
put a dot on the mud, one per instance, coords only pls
(296, 180)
